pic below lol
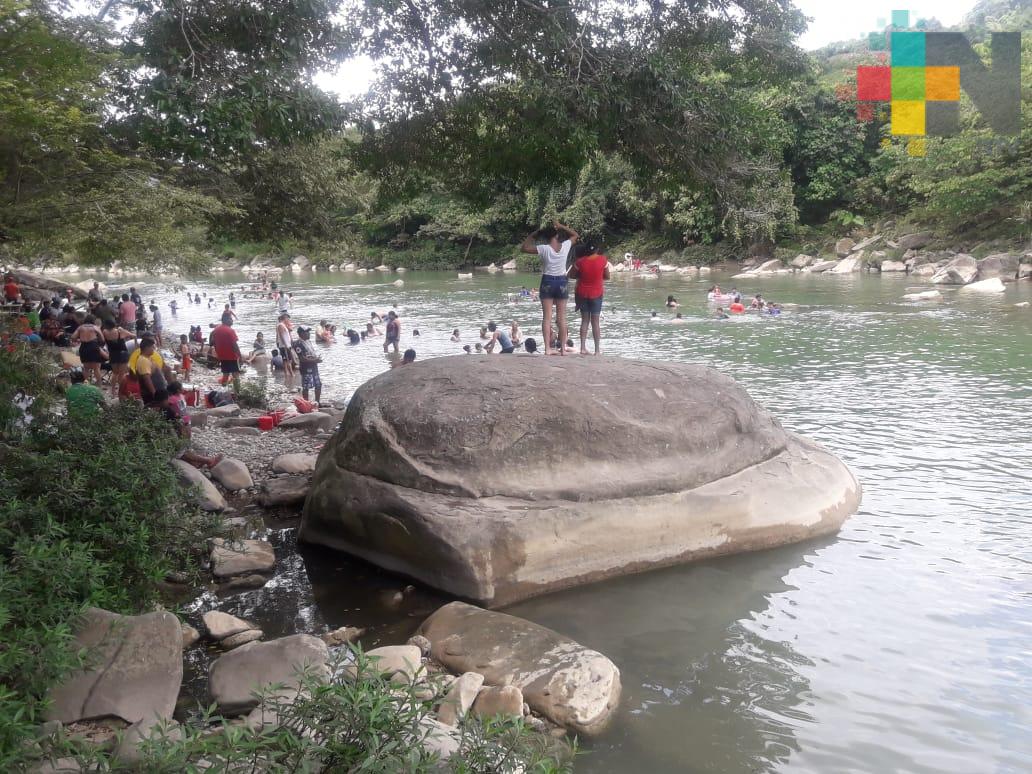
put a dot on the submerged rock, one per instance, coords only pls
(571, 685)
(241, 557)
(501, 478)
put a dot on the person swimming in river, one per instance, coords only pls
(455, 335)
(671, 302)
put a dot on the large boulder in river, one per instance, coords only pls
(496, 479)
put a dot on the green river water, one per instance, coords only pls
(902, 644)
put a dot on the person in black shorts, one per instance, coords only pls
(553, 291)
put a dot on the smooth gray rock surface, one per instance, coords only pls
(208, 496)
(241, 557)
(234, 677)
(570, 684)
(134, 670)
(469, 473)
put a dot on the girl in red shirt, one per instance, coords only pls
(590, 269)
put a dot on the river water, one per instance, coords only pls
(902, 644)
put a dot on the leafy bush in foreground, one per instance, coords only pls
(92, 514)
(348, 724)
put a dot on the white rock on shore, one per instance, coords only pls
(994, 285)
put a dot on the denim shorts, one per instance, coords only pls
(589, 305)
(554, 287)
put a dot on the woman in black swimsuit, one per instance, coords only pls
(91, 348)
(118, 351)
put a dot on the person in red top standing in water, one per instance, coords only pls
(590, 269)
(227, 350)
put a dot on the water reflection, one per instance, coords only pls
(704, 688)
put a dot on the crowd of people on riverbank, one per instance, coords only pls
(120, 339)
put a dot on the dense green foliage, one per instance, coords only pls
(351, 723)
(92, 514)
(166, 131)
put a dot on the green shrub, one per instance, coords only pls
(253, 393)
(363, 723)
(92, 515)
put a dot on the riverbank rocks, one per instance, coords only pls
(232, 474)
(959, 271)
(294, 463)
(286, 491)
(915, 241)
(499, 701)
(134, 669)
(1003, 266)
(844, 246)
(241, 557)
(442, 471)
(208, 497)
(821, 266)
(229, 410)
(892, 266)
(313, 422)
(235, 677)
(221, 625)
(569, 684)
(848, 265)
(801, 261)
(460, 698)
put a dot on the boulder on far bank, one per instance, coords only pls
(999, 265)
(821, 266)
(959, 271)
(892, 266)
(848, 265)
(801, 261)
(571, 685)
(439, 472)
(844, 246)
(916, 240)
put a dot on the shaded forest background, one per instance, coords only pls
(177, 132)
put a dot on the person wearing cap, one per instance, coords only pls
(227, 351)
(309, 364)
(285, 343)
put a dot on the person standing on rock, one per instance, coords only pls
(309, 363)
(553, 290)
(591, 270)
(227, 351)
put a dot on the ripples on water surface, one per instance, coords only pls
(904, 644)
